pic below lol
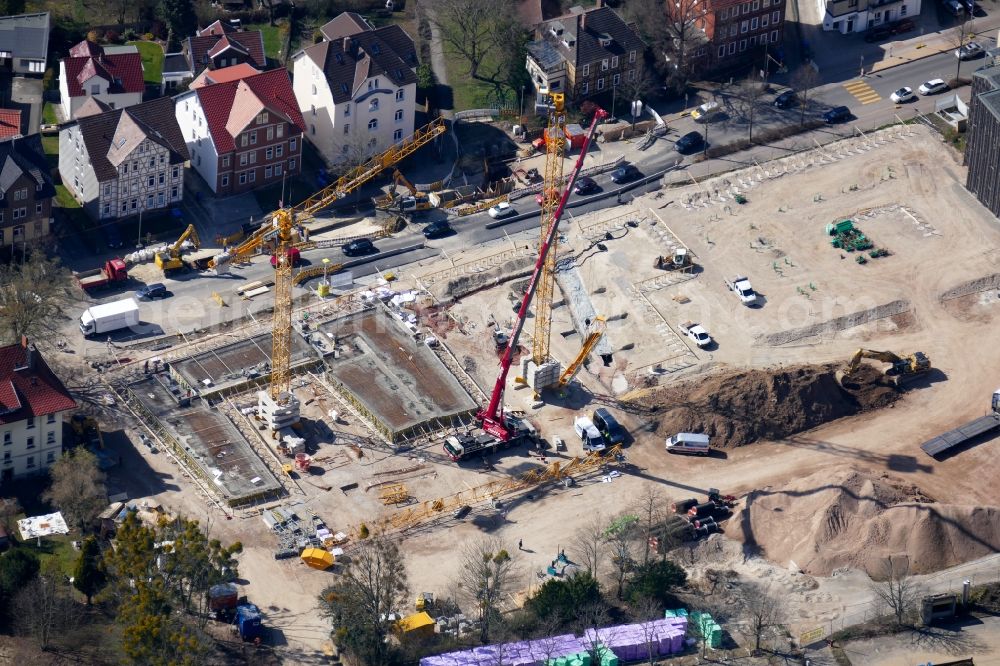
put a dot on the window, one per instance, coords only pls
(279, 150)
(163, 159)
(585, 88)
(160, 199)
(312, 130)
(29, 443)
(124, 207)
(902, 12)
(586, 70)
(152, 162)
(314, 89)
(631, 75)
(253, 176)
(269, 154)
(225, 161)
(774, 35)
(291, 165)
(400, 95)
(399, 115)
(744, 26)
(373, 105)
(50, 437)
(756, 5)
(270, 133)
(746, 7)
(314, 113)
(763, 38)
(95, 90)
(162, 178)
(149, 201)
(51, 457)
(243, 159)
(347, 111)
(6, 458)
(107, 190)
(743, 45)
(397, 135)
(763, 20)
(604, 65)
(347, 128)
(753, 23)
(106, 213)
(373, 124)
(6, 438)
(243, 178)
(775, 17)
(173, 192)
(753, 40)
(277, 169)
(135, 204)
(600, 83)
(253, 157)
(723, 16)
(253, 137)
(765, 3)
(732, 48)
(38, 207)
(614, 62)
(617, 79)
(732, 29)
(281, 131)
(268, 171)
(31, 462)
(291, 145)
(176, 172)
(631, 56)
(151, 181)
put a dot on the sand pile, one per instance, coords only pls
(846, 518)
(738, 408)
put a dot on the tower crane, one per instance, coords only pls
(555, 150)
(282, 231)
(492, 417)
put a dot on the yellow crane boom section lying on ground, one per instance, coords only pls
(595, 335)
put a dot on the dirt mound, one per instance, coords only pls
(846, 518)
(738, 408)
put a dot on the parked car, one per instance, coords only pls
(904, 94)
(878, 33)
(625, 173)
(932, 87)
(151, 291)
(437, 229)
(586, 185)
(954, 7)
(837, 114)
(786, 100)
(359, 246)
(608, 426)
(901, 26)
(589, 436)
(968, 51)
(705, 112)
(502, 209)
(689, 143)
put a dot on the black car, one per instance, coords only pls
(151, 291)
(113, 236)
(585, 185)
(608, 426)
(625, 173)
(877, 34)
(437, 229)
(837, 114)
(359, 246)
(689, 143)
(786, 100)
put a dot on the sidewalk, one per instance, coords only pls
(923, 46)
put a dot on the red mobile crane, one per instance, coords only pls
(492, 417)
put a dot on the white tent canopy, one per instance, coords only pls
(41, 526)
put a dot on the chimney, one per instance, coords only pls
(347, 44)
(583, 21)
(599, 4)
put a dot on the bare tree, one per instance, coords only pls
(45, 607)
(804, 79)
(649, 506)
(761, 612)
(35, 296)
(748, 97)
(894, 589)
(672, 32)
(77, 487)
(484, 578)
(589, 544)
(644, 611)
(10, 508)
(589, 619)
(959, 36)
(620, 537)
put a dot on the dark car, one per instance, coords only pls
(625, 173)
(608, 426)
(837, 114)
(359, 246)
(905, 25)
(113, 236)
(878, 33)
(437, 229)
(151, 291)
(585, 185)
(689, 143)
(786, 100)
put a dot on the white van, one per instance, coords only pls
(688, 442)
(589, 435)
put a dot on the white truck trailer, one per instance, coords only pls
(108, 317)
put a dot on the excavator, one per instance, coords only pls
(416, 201)
(169, 259)
(901, 368)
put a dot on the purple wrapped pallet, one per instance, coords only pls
(449, 659)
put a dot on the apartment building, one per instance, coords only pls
(847, 16)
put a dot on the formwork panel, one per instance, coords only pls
(399, 380)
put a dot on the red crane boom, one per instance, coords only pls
(492, 417)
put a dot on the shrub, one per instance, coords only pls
(425, 77)
(129, 34)
(317, 36)
(112, 37)
(149, 37)
(95, 36)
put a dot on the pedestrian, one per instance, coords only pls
(520, 544)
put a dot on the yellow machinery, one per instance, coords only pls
(593, 337)
(555, 151)
(901, 368)
(416, 201)
(679, 260)
(170, 258)
(281, 232)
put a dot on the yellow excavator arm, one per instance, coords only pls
(189, 234)
(593, 337)
(884, 356)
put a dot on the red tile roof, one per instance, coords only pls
(125, 67)
(221, 101)
(251, 41)
(28, 387)
(216, 28)
(224, 75)
(10, 123)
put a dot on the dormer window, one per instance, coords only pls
(343, 88)
(569, 43)
(376, 49)
(340, 58)
(605, 39)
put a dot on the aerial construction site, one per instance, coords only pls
(797, 323)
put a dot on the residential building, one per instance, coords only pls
(26, 191)
(847, 16)
(357, 88)
(585, 53)
(983, 138)
(242, 133)
(10, 124)
(121, 162)
(215, 46)
(113, 76)
(24, 43)
(224, 75)
(731, 32)
(33, 407)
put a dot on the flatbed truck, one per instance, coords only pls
(984, 424)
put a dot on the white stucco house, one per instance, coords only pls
(113, 76)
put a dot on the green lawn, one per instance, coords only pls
(59, 548)
(64, 199)
(50, 143)
(152, 61)
(272, 38)
(49, 115)
(467, 93)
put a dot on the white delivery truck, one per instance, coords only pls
(108, 317)
(589, 435)
(688, 442)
